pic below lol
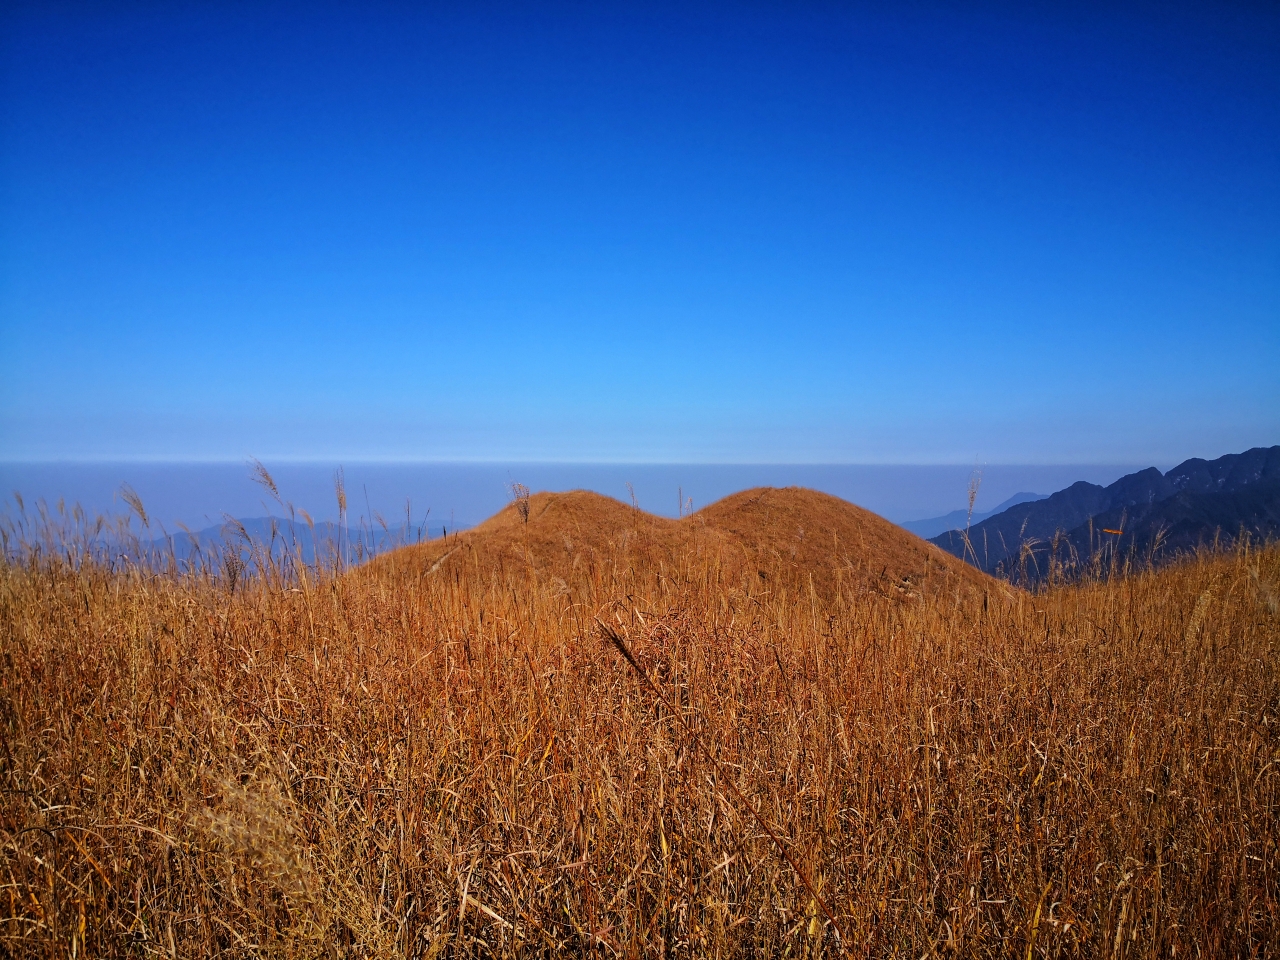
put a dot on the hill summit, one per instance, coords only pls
(773, 538)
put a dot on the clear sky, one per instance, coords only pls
(793, 232)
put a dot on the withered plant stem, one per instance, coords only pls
(695, 738)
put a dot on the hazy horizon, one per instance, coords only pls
(463, 494)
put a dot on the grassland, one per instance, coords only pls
(422, 760)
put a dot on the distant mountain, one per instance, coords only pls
(1158, 515)
(288, 537)
(956, 519)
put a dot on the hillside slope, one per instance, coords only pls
(1184, 521)
(1160, 515)
(766, 538)
(802, 533)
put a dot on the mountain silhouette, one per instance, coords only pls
(958, 519)
(1158, 516)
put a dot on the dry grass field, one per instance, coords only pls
(857, 749)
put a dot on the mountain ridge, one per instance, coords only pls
(1195, 502)
(933, 526)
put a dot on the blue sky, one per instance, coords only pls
(795, 232)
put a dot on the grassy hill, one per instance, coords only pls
(791, 539)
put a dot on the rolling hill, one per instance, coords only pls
(766, 538)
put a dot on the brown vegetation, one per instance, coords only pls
(796, 538)
(378, 765)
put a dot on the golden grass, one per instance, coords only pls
(791, 538)
(465, 765)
